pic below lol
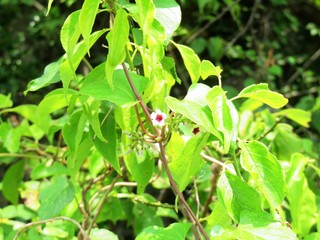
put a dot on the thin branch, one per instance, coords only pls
(136, 198)
(243, 31)
(197, 197)
(106, 188)
(18, 155)
(212, 21)
(178, 193)
(313, 58)
(213, 160)
(52, 220)
(102, 203)
(271, 129)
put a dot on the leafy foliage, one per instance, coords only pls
(104, 150)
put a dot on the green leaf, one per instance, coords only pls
(72, 132)
(5, 101)
(218, 217)
(27, 111)
(96, 85)
(237, 196)
(262, 93)
(208, 69)
(55, 197)
(117, 40)
(191, 61)
(108, 149)
(49, 6)
(265, 170)
(175, 231)
(44, 171)
(168, 14)
(102, 234)
(146, 14)
(298, 115)
(70, 33)
(91, 107)
(302, 200)
(11, 181)
(13, 139)
(50, 75)
(53, 101)
(190, 160)
(224, 115)
(285, 142)
(18, 211)
(272, 230)
(196, 113)
(197, 93)
(140, 164)
(68, 66)
(87, 17)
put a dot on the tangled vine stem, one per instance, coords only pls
(86, 237)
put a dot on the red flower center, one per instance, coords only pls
(159, 117)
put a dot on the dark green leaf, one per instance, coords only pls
(11, 181)
(117, 40)
(97, 86)
(108, 149)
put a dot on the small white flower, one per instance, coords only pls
(158, 118)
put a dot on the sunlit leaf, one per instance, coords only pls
(191, 61)
(87, 17)
(265, 170)
(208, 69)
(5, 101)
(262, 93)
(224, 115)
(302, 200)
(176, 231)
(196, 113)
(168, 13)
(190, 160)
(298, 115)
(102, 234)
(237, 196)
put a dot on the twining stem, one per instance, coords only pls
(104, 198)
(86, 237)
